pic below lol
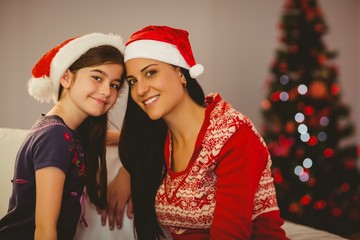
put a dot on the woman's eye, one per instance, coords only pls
(131, 81)
(150, 73)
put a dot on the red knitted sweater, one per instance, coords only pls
(226, 192)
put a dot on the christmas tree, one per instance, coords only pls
(308, 128)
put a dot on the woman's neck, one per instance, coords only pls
(186, 124)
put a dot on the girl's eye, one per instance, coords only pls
(116, 86)
(97, 78)
(131, 81)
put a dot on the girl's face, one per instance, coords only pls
(155, 86)
(94, 90)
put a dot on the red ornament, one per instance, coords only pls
(265, 104)
(290, 127)
(305, 200)
(312, 141)
(311, 182)
(309, 110)
(283, 67)
(336, 212)
(345, 187)
(319, 27)
(278, 178)
(322, 59)
(300, 106)
(304, 4)
(293, 48)
(294, 208)
(293, 94)
(318, 205)
(349, 163)
(300, 152)
(335, 89)
(282, 39)
(310, 15)
(318, 90)
(275, 96)
(328, 152)
(289, 4)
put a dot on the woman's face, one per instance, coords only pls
(155, 86)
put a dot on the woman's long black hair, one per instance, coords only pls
(141, 150)
(93, 130)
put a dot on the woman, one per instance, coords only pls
(199, 169)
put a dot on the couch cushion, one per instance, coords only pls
(10, 141)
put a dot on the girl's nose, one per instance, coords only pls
(105, 89)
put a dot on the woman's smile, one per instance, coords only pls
(151, 99)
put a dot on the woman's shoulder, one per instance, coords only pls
(223, 112)
(223, 117)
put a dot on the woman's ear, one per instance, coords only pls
(182, 77)
(66, 79)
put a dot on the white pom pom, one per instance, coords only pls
(196, 70)
(41, 89)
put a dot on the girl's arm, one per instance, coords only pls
(49, 191)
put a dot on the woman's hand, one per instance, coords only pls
(118, 196)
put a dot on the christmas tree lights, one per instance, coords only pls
(306, 126)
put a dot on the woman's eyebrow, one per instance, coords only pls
(142, 70)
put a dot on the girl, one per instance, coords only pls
(198, 167)
(65, 149)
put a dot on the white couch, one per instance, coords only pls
(10, 141)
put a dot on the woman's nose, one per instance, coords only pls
(142, 88)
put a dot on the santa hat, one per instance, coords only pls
(45, 82)
(164, 44)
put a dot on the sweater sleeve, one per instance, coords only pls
(241, 163)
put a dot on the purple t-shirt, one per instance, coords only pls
(50, 143)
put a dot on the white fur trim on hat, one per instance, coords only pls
(196, 70)
(42, 89)
(151, 49)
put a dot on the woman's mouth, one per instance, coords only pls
(151, 100)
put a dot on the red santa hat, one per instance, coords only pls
(164, 44)
(45, 82)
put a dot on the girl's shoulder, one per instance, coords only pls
(52, 128)
(48, 121)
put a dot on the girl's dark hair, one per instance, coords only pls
(141, 150)
(93, 130)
